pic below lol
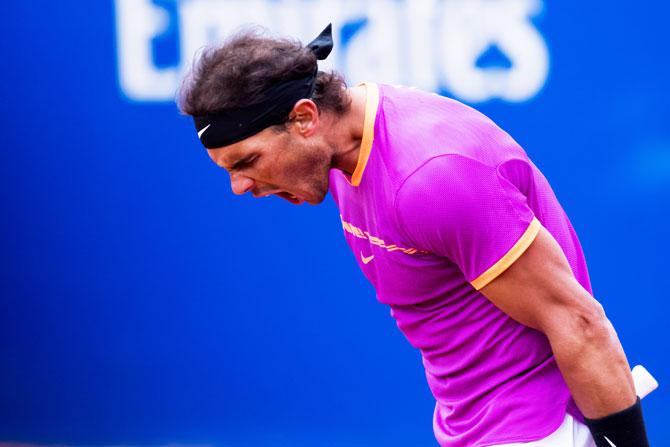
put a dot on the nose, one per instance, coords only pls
(241, 184)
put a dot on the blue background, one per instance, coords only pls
(142, 303)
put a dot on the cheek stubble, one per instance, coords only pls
(309, 172)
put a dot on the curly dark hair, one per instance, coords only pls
(236, 73)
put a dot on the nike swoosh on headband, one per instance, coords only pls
(203, 131)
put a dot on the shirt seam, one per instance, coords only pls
(518, 216)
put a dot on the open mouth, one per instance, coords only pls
(290, 197)
(283, 194)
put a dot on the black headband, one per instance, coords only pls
(230, 126)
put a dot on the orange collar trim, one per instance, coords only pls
(371, 105)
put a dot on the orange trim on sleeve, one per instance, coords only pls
(371, 104)
(510, 257)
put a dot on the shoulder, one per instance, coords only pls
(457, 194)
(467, 211)
(414, 129)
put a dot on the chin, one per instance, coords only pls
(317, 199)
(314, 193)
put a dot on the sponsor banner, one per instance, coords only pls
(475, 50)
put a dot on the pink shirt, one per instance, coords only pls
(443, 201)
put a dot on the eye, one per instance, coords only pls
(244, 163)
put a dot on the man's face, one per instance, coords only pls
(279, 162)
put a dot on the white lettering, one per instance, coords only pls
(432, 44)
(471, 27)
(137, 23)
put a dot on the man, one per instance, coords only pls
(456, 228)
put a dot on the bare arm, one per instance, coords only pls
(540, 291)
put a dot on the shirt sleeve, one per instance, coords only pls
(467, 211)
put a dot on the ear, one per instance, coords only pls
(305, 117)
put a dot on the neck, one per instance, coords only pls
(347, 132)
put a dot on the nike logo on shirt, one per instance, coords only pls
(367, 260)
(609, 442)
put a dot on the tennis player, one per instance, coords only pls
(456, 228)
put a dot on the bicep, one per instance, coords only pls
(540, 290)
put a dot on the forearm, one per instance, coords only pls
(541, 291)
(593, 364)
